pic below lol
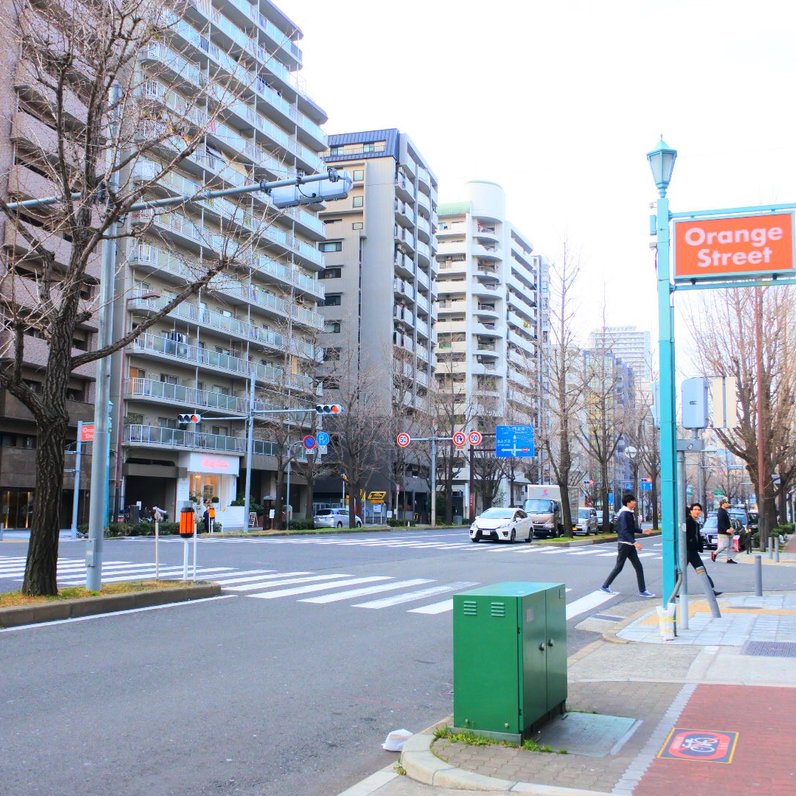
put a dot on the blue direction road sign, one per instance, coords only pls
(645, 486)
(627, 485)
(512, 441)
(322, 438)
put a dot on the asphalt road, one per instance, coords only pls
(286, 684)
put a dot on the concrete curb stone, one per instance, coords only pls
(90, 606)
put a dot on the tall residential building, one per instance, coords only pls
(380, 275)
(259, 322)
(633, 347)
(488, 311)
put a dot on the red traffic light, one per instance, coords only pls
(328, 409)
(189, 418)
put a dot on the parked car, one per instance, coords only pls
(585, 522)
(502, 524)
(710, 534)
(334, 518)
(740, 515)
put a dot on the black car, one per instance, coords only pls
(709, 531)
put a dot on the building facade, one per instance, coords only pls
(255, 325)
(380, 277)
(489, 322)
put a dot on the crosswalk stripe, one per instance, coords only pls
(386, 602)
(284, 580)
(351, 593)
(235, 577)
(271, 595)
(434, 608)
(149, 573)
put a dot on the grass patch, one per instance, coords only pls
(12, 599)
(473, 739)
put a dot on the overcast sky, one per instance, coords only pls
(559, 101)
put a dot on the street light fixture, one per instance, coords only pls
(661, 160)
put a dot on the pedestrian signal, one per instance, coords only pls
(328, 409)
(189, 418)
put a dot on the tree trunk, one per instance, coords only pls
(41, 568)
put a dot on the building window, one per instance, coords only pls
(330, 383)
(332, 327)
(331, 246)
(330, 273)
(331, 354)
(358, 201)
(357, 225)
(359, 175)
(331, 300)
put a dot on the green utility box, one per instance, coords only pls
(509, 657)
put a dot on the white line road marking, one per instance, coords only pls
(386, 602)
(150, 573)
(351, 593)
(284, 577)
(434, 608)
(271, 595)
(586, 603)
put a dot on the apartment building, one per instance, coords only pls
(489, 322)
(380, 275)
(258, 322)
(634, 347)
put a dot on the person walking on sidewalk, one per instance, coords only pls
(725, 533)
(628, 547)
(693, 541)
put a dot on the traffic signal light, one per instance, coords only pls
(328, 409)
(189, 418)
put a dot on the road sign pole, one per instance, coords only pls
(76, 495)
(471, 495)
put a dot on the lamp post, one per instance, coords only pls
(661, 160)
(117, 501)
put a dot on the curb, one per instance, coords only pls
(422, 765)
(90, 606)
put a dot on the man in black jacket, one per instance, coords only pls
(725, 531)
(628, 547)
(692, 541)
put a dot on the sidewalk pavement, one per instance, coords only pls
(712, 709)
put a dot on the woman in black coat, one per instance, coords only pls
(693, 541)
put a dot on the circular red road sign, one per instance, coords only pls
(459, 439)
(474, 437)
(403, 439)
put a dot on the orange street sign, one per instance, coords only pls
(87, 433)
(733, 246)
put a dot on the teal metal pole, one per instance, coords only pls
(668, 439)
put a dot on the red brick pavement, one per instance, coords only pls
(763, 717)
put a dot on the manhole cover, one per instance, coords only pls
(770, 649)
(588, 733)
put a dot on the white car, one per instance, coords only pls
(586, 521)
(334, 518)
(502, 524)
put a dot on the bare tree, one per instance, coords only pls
(603, 425)
(727, 333)
(452, 412)
(359, 434)
(102, 116)
(562, 365)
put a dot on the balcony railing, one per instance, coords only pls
(186, 396)
(219, 360)
(159, 436)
